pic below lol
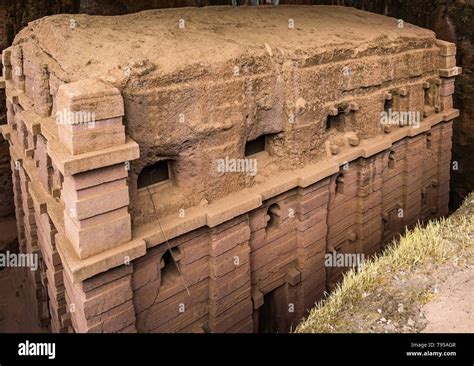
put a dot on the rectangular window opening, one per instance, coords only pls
(388, 105)
(335, 123)
(152, 174)
(255, 146)
(427, 97)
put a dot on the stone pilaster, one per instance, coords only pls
(311, 234)
(445, 167)
(89, 119)
(96, 198)
(230, 303)
(368, 235)
(103, 303)
(413, 180)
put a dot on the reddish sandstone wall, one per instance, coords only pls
(228, 271)
(6, 194)
(217, 268)
(271, 94)
(214, 292)
(449, 21)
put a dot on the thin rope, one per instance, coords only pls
(168, 244)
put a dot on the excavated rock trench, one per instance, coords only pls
(141, 68)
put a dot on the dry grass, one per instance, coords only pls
(435, 243)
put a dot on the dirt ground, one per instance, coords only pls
(16, 314)
(437, 299)
(453, 308)
(8, 235)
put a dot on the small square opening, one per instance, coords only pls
(152, 174)
(255, 146)
(335, 123)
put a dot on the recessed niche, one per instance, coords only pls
(391, 159)
(169, 266)
(273, 218)
(335, 123)
(158, 172)
(255, 146)
(340, 184)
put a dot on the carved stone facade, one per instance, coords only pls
(206, 249)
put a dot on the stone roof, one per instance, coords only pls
(152, 41)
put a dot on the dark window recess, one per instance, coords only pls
(335, 123)
(169, 266)
(391, 159)
(388, 105)
(255, 146)
(386, 225)
(340, 184)
(428, 141)
(267, 315)
(152, 174)
(273, 217)
(427, 97)
(427, 196)
(328, 122)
